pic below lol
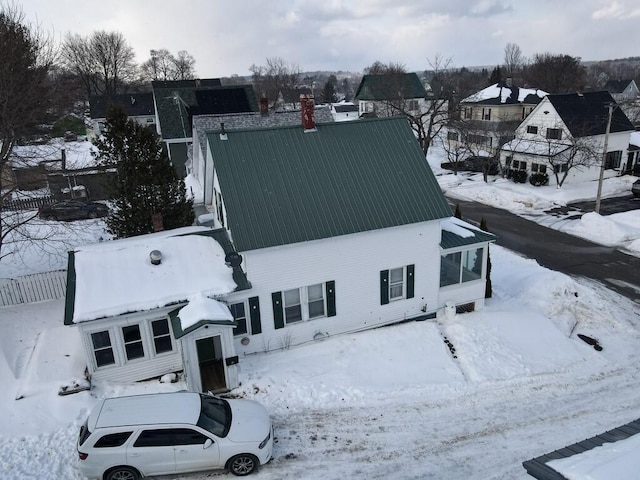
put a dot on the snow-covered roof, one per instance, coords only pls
(78, 154)
(117, 277)
(634, 139)
(200, 308)
(504, 94)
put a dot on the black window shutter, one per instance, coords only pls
(410, 280)
(330, 288)
(278, 313)
(254, 314)
(384, 287)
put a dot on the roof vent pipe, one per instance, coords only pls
(156, 257)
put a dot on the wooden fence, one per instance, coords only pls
(27, 203)
(33, 288)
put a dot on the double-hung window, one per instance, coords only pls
(304, 303)
(396, 284)
(161, 336)
(247, 317)
(102, 348)
(132, 342)
(554, 133)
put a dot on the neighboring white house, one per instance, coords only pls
(320, 230)
(565, 134)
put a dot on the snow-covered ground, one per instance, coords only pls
(468, 397)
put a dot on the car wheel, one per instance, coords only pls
(243, 464)
(122, 473)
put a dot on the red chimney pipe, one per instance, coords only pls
(308, 117)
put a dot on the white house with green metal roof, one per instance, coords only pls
(341, 228)
(318, 232)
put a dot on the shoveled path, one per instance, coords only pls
(557, 250)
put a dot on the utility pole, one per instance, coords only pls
(604, 157)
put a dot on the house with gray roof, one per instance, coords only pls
(318, 229)
(139, 108)
(565, 136)
(178, 102)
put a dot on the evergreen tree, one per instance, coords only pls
(488, 290)
(496, 76)
(329, 93)
(458, 212)
(146, 183)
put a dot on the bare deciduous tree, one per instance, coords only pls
(513, 60)
(269, 80)
(184, 65)
(426, 119)
(162, 65)
(104, 61)
(26, 57)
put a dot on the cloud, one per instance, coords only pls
(489, 8)
(615, 10)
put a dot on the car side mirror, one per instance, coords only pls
(207, 443)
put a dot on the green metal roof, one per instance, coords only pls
(286, 185)
(451, 240)
(390, 87)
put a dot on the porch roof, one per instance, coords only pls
(458, 233)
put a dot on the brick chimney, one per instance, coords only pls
(264, 106)
(308, 117)
(158, 224)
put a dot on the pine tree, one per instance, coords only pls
(329, 93)
(488, 289)
(146, 183)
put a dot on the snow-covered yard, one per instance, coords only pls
(468, 397)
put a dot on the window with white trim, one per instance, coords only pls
(396, 283)
(239, 312)
(304, 303)
(613, 160)
(102, 348)
(554, 133)
(132, 342)
(161, 336)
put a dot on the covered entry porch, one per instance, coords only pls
(204, 328)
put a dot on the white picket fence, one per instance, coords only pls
(33, 288)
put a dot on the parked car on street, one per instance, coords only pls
(127, 438)
(635, 188)
(73, 210)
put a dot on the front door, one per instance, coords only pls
(211, 364)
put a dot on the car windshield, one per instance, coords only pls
(215, 415)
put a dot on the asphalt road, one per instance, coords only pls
(559, 251)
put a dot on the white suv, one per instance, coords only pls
(126, 438)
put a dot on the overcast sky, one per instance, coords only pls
(228, 36)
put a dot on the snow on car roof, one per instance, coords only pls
(178, 407)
